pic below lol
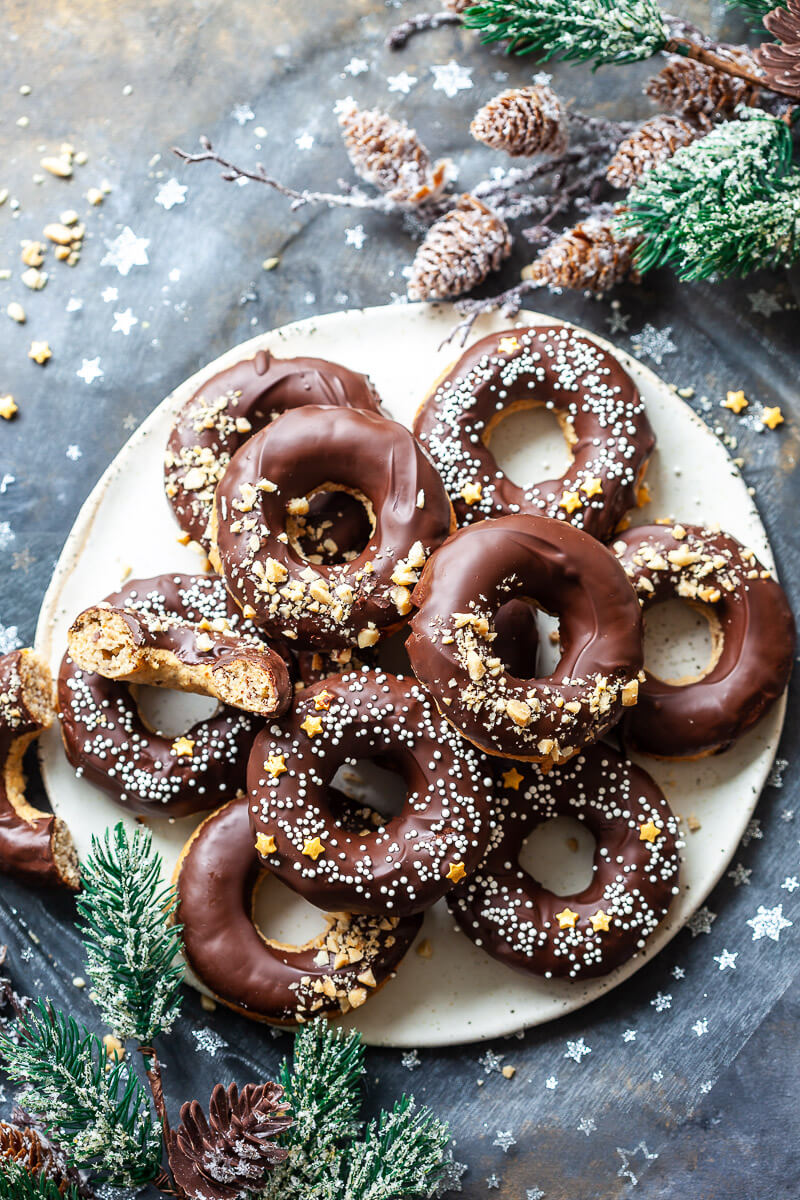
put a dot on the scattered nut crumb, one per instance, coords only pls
(16, 312)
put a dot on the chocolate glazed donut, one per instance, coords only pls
(327, 606)
(217, 877)
(453, 651)
(108, 742)
(753, 639)
(233, 405)
(412, 859)
(513, 918)
(599, 409)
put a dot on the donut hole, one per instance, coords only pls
(373, 785)
(170, 713)
(282, 915)
(529, 443)
(682, 641)
(559, 855)
(526, 639)
(336, 528)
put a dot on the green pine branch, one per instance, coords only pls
(403, 1153)
(601, 31)
(727, 204)
(756, 10)
(98, 1112)
(132, 950)
(16, 1183)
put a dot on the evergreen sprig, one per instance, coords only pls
(16, 1183)
(727, 204)
(403, 1153)
(99, 1113)
(601, 31)
(756, 10)
(132, 950)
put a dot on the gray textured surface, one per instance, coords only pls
(717, 1107)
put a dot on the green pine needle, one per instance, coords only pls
(99, 1113)
(756, 10)
(403, 1154)
(727, 204)
(131, 948)
(18, 1184)
(602, 31)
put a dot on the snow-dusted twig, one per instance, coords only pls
(401, 34)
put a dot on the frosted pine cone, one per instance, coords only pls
(459, 251)
(781, 62)
(24, 1146)
(389, 155)
(523, 121)
(701, 93)
(593, 256)
(652, 143)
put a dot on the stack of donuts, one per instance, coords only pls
(330, 528)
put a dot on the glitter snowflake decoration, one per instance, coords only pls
(654, 343)
(768, 922)
(402, 83)
(9, 638)
(586, 1125)
(551, 1083)
(505, 1140)
(577, 1050)
(534, 1193)
(124, 322)
(766, 304)
(171, 193)
(662, 1001)
(790, 884)
(491, 1061)
(775, 777)
(242, 113)
(700, 1026)
(629, 1035)
(451, 78)
(209, 1040)
(626, 1171)
(740, 874)
(411, 1060)
(355, 237)
(90, 370)
(726, 961)
(701, 922)
(125, 252)
(753, 832)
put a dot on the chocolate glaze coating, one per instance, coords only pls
(344, 604)
(754, 631)
(109, 744)
(216, 881)
(453, 652)
(233, 405)
(410, 861)
(596, 402)
(512, 917)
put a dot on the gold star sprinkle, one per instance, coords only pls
(592, 486)
(735, 401)
(456, 871)
(183, 747)
(40, 352)
(275, 765)
(312, 725)
(512, 779)
(566, 919)
(649, 832)
(772, 417)
(471, 493)
(600, 920)
(313, 848)
(265, 844)
(323, 700)
(570, 501)
(507, 345)
(8, 407)
(643, 495)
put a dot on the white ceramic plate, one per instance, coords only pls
(458, 994)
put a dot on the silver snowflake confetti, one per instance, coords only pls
(129, 421)
(766, 304)
(110, 293)
(657, 1076)
(775, 777)
(171, 193)
(411, 1060)
(586, 1125)
(740, 874)
(491, 1061)
(304, 142)
(768, 922)
(534, 1193)
(678, 973)
(124, 322)
(9, 638)
(701, 922)
(726, 961)
(355, 237)
(493, 1181)
(450, 1179)
(90, 370)
(505, 1140)
(242, 113)
(753, 832)
(787, 815)
(356, 66)
(790, 884)
(654, 343)
(209, 1040)
(126, 251)
(577, 1050)
(618, 322)
(700, 1026)
(662, 1001)
(451, 78)
(626, 1171)
(629, 1035)
(402, 83)
(551, 1083)
(706, 1086)
(74, 452)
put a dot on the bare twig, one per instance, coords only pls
(508, 303)
(402, 34)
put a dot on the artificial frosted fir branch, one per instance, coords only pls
(726, 205)
(756, 9)
(18, 1184)
(131, 949)
(403, 1154)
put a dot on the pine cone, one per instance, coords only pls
(229, 1156)
(523, 121)
(389, 155)
(592, 256)
(459, 251)
(25, 1147)
(781, 63)
(701, 93)
(652, 143)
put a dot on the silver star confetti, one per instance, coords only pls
(700, 1026)
(171, 193)
(124, 322)
(701, 922)
(90, 370)
(355, 237)
(768, 922)
(662, 1001)
(125, 252)
(654, 343)
(242, 113)
(766, 304)
(577, 1050)
(626, 1171)
(726, 961)
(74, 452)
(411, 1060)
(505, 1140)
(740, 874)
(790, 883)
(586, 1125)
(401, 83)
(451, 78)
(209, 1040)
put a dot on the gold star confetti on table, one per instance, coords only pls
(735, 401)
(649, 831)
(313, 848)
(323, 701)
(512, 779)
(456, 871)
(312, 725)
(643, 495)
(275, 765)
(40, 352)
(600, 920)
(592, 486)
(507, 345)
(471, 493)
(566, 918)
(183, 747)
(8, 407)
(570, 501)
(772, 417)
(265, 844)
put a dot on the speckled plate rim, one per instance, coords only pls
(459, 995)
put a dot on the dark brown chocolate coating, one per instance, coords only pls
(216, 881)
(328, 606)
(413, 858)
(108, 743)
(232, 406)
(754, 630)
(506, 912)
(567, 573)
(595, 400)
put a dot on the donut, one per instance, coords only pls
(452, 641)
(216, 880)
(327, 607)
(135, 647)
(110, 745)
(753, 639)
(35, 847)
(511, 916)
(411, 859)
(230, 407)
(598, 407)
